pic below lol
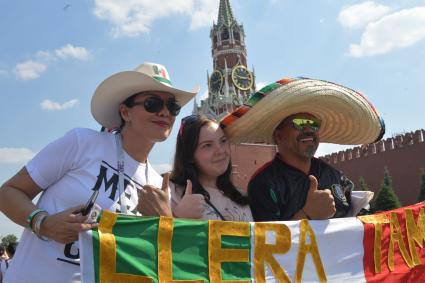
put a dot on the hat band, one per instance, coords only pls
(163, 80)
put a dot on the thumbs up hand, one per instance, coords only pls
(191, 205)
(155, 201)
(320, 204)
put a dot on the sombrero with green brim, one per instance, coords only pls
(347, 116)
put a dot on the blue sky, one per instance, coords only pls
(53, 54)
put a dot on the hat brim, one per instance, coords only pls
(347, 116)
(117, 88)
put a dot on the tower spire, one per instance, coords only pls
(225, 15)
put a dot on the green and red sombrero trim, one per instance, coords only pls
(252, 100)
(263, 92)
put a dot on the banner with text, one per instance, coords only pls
(386, 247)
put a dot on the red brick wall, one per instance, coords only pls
(403, 155)
(247, 158)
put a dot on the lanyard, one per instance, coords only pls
(120, 167)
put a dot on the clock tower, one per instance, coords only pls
(230, 82)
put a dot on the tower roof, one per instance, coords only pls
(225, 15)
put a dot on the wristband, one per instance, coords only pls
(30, 217)
(38, 220)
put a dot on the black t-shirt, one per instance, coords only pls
(277, 190)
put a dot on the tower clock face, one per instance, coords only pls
(216, 81)
(241, 77)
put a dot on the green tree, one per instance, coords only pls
(363, 185)
(422, 191)
(10, 238)
(386, 198)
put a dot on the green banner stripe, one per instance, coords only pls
(236, 270)
(190, 250)
(137, 250)
(95, 241)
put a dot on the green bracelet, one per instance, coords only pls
(31, 217)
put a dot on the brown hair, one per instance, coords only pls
(184, 164)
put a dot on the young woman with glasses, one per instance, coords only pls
(141, 106)
(201, 178)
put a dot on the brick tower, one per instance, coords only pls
(230, 82)
(229, 86)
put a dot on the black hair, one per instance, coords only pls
(11, 248)
(129, 103)
(184, 167)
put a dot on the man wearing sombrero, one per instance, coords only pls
(296, 114)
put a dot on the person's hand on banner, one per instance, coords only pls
(155, 201)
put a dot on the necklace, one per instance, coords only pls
(120, 167)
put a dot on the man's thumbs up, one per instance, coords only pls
(313, 183)
(319, 203)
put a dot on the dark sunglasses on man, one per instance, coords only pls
(154, 104)
(302, 123)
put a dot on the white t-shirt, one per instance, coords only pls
(230, 210)
(69, 170)
(4, 265)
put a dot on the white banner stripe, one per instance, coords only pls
(86, 255)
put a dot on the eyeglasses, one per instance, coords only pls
(154, 104)
(302, 123)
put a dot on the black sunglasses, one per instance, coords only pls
(154, 104)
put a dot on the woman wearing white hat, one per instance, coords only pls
(142, 106)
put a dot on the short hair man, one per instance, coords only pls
(295, 184)
(297, 114)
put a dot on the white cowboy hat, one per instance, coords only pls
(347, 116)
(117, 88)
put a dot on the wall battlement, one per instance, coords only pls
(378, 148)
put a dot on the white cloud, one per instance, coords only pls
(33, 68)
(45, 56)
(359, 15)
(15, 155)
(134, 17)
(70, 51)
(162, 168)
(203, 14)
(394, 31)
(55, 106)
(29, 70)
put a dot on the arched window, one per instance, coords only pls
(225, 34)
(236, 35)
